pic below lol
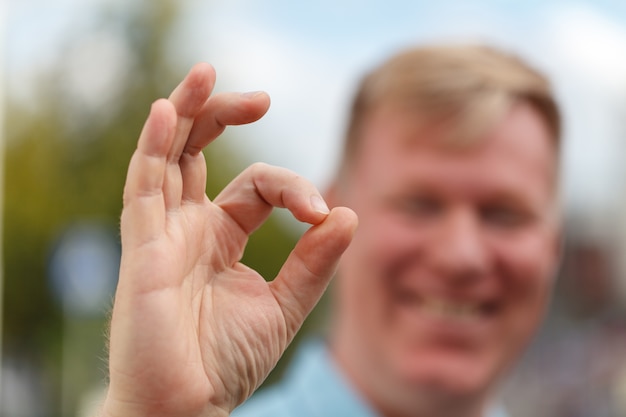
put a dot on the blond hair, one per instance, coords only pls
(469, 86)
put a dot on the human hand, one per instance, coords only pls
(194, 332)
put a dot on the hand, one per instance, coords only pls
(194, 332)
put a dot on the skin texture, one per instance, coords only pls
(452, 266)
(194, 331)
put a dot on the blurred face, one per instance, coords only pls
(452, 264)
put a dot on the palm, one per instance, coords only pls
(194, 331)
(187, 317)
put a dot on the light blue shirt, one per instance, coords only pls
(312, 387)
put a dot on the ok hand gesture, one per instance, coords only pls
(194, 332)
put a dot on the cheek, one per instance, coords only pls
(531, 260)
(379, 243)
(382, 237)
(528, 264)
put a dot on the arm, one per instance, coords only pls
(194, 332)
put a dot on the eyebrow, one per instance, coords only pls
(510, 200)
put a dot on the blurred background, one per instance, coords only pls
(78, 77)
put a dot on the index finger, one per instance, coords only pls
(250, 197)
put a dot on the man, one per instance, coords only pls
(451, 164)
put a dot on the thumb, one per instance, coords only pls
(311, 265)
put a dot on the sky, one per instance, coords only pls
(309, 55)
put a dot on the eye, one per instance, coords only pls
(421, 206)
(503, 216)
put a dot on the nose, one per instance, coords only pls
(459, 250)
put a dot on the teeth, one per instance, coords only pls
(450, 310)
(443, 308)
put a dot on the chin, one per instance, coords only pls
(448, 374)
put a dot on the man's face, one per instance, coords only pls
(452, 263)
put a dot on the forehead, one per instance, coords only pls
(398, 147)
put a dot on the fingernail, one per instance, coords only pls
(319, 204)
(251, 94)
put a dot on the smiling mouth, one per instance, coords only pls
(447, 309)
(453, 310)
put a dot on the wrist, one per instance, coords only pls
(111, 408)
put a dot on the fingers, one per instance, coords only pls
(311, 265)
(222, 110)
(178, 129)
(188, 98)
(218, 112)
(200, 120)
(250, 197)
(144, 209)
